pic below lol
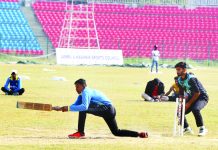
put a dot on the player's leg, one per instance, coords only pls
(109, 118)
(196, 110)
(164, 98)
(21, 91)
(172, 98)
(7, 92)
(146, 97)
(152, 65)
(81, 126)
(187, 128)
(4, 90)
(81, 121)
(156, 66)
(95, 109)
(112, 124)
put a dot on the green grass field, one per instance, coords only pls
(28, 129)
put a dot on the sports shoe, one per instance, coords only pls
(202, 131)
(77, 135)
(143, 134)
(188, 130)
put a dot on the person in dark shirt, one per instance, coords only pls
(154, 91)
(196, 97)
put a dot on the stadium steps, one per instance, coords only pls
(37, 29)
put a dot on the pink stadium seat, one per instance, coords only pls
(143, 27)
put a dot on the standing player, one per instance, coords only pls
(94, 102)
(196, 97)
(155, 58)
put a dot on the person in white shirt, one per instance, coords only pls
(155, 58)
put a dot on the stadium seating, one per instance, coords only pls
(16, 36)
(179, 33)
(9, 0)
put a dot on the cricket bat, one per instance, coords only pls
(34, 106)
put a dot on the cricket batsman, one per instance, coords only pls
(94, 102)
(196, 97)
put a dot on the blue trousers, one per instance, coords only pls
(154, 63)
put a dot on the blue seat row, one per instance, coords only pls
(15, 32)
(9, 5)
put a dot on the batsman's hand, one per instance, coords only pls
(57, 108)
(64, 108)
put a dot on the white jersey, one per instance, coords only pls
(155, 55)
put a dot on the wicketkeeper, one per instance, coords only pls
(196, 97)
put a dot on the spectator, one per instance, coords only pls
(175, 89)
(154, 91)
(15, 85)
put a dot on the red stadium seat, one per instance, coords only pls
(179, 29)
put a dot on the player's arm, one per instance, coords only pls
(66, 108)
(192, 100)
(18, 86)
(194, 89)
(6, 84)
(83, 106)
(170, 90)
